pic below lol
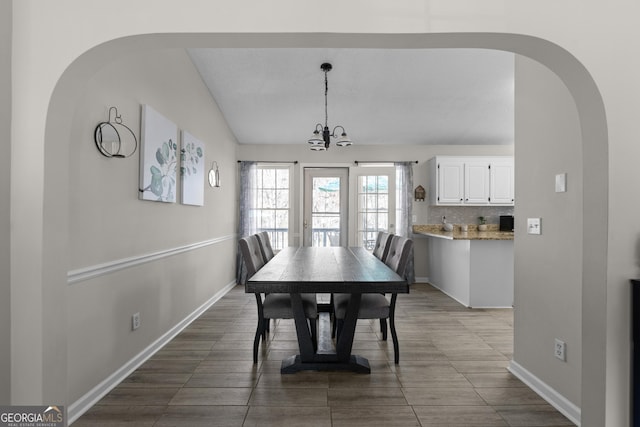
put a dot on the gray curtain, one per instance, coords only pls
(404, 205)
(246, 220)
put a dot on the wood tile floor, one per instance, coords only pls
(452, 372)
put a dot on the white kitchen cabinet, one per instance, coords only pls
(450, 182)
(476, 182)
(466, 181)
(502, 179)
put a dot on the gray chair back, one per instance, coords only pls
(398, 255)
(251, 254)
(265, 245)
(381, 249)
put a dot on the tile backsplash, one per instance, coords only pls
(467, 214)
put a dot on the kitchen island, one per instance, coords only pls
(473, 267)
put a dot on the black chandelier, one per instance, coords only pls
(321, 142)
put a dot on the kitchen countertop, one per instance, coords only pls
(435, 230)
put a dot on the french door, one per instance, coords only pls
(326, 201)
(375, 203)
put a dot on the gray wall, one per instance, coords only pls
(43, 54)
(107, 222)
(548, 267)
(5, 187)
(346, 156)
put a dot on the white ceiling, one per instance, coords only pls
(380, 96)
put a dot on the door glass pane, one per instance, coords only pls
(373, 208)
(383, 202)
(372, 202)
(383, 221)
(325, 211)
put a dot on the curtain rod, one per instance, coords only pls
(383, 161)
(295, 162)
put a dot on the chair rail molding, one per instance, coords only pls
(86, 273)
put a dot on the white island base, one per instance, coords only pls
(476, 273)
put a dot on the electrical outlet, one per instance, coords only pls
(414, 218)
(135, 321)
(559, 350)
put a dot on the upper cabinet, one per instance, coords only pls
(502, 190)
(465, 181)
(477, 182)
(450, 186)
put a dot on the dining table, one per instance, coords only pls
(325, 270)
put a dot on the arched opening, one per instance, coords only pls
(564, 65)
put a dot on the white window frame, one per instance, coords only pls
(276, 243)
(355, 178)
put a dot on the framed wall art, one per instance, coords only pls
(158, 157)
(192, 170)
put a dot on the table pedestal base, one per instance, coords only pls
(356, 363)
(326, 358)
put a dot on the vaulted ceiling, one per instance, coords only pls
(380, 96)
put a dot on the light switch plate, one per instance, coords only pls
(561, 183)
(534, 226)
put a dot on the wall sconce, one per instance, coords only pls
(419, 193)
(214, 175)
(109, 140)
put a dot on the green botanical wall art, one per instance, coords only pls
(192, 170)
(158, 157)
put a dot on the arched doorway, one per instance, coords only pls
(570, 71)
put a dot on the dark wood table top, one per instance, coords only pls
(325, 270)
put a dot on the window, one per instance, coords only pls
(325, 211)
(373, 208)
(272, 203)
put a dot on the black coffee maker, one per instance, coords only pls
(506, 222)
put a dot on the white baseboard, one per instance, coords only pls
(82, 405)
(449, 295)
(555, 399)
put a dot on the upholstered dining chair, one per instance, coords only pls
(380, 250)
(381, 247)
(274, 306)
(267, 254)
(265, 245)
(377, 306)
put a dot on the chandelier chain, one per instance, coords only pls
(326, 92)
